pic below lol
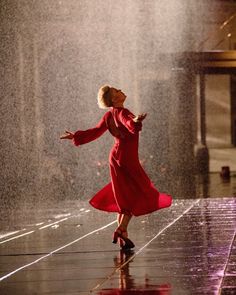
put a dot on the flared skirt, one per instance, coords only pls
(130, 190)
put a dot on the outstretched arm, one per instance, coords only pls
(85, 136)
(131, 122)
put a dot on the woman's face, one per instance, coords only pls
(117, 95)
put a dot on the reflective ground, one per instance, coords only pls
(189, 248)
(212, 185)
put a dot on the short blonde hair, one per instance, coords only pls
(104, 97)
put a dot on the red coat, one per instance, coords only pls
(130, 190)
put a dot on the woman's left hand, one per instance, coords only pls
(67, 135)
(140, 118)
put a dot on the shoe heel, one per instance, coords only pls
(128, 244)
(115, 237)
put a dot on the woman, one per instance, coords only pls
(130, 191)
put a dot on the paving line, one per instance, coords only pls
(37, 224)
(3, 236)
(32, 231)
(98, 286)
(56, 250)
(56, 222)
(19, 236)
(226, 264)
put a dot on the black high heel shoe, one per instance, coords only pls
(122, 234)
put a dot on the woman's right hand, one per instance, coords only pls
(67, 135)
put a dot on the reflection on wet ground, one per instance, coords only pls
(127, 284)
(213, 185)
(188, 248)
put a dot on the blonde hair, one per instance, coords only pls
(104, 97)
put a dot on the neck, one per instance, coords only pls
(118, 104)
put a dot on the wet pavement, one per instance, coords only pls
(213, 185)
(189, 248)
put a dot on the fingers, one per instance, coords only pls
(143, 115)
(68, 135)
(64, 136)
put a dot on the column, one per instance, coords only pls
(201, 150)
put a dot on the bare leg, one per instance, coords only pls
(119, 218)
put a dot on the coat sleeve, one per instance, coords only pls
(126, 118)
(85, 136)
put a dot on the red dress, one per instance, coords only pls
(130, 190)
